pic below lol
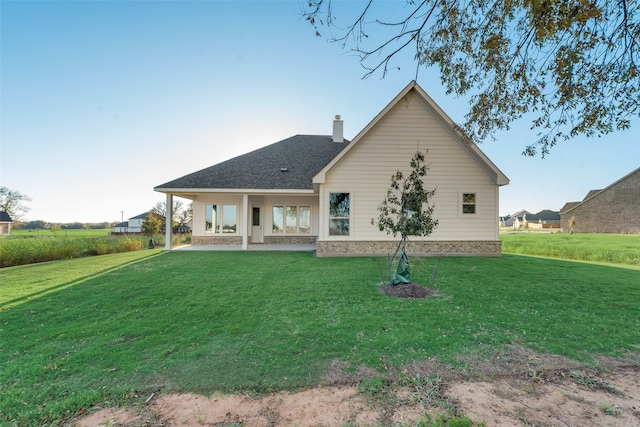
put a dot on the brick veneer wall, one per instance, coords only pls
(417, 248)
(615, 210)
(216, 240)
(290, 240)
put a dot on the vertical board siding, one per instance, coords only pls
(365, 172)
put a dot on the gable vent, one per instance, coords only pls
(284, 169)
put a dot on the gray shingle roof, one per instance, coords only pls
(4, 217)
(303, 156)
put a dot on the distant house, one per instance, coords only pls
(614, 209)
(516, 219)
(325, 190)
(5, 223)
(544, 219)
(133, 225)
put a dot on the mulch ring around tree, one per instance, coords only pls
(409, 290)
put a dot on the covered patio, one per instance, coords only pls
(250, 247)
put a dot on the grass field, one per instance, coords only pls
(76, 233)
(97, 330)
(607, 248)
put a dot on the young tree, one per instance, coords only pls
(406, 210)
(151, 224)
(571, 65)
(11, 203)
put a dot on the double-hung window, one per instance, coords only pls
(339, 208)
(468, 203)
(221, 219)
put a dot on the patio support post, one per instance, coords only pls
(168, 229)
(244, 223)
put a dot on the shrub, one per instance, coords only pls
(20, 251)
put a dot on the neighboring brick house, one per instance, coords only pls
(615, 209)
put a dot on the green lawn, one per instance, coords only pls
(97, 330)
(607, 248)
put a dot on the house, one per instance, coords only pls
(133, 225)
(614, 209)
(5, 223)
(516, 219)
(523, 219)
(325, 190)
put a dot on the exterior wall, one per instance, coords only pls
(5, 228)
(266, 202)
(135, 225)
(365, 173)
(614, 210)
(413, 248)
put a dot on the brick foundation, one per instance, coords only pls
(416, 248)
(290, 240)
(216, 240)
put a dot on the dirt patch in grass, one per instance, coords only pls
(516, 387)
(409, 290)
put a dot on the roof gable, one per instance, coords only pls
(4, 217)
(444, 119)
(289, 164)
(569, 206)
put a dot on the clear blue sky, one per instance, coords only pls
(103, 100)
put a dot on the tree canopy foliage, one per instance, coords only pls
(571, 66)
(11, 203)
(151, 224)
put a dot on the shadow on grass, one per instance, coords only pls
(28, 297)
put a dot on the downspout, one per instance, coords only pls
(168, 229)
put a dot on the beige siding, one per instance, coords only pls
(365, 172)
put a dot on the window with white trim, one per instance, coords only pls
(468, 203)
(339, 207)
(221, 219)
(291, 220)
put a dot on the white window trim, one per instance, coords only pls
(220, 233)
(461, 203)
(284, 207)
(328, 213)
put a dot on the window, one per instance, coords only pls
(291, 219)
(338, 214)
(468, 203)
(291, 222)
(221, 218)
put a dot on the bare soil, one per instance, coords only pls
(518, 387)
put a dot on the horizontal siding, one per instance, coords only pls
(366, 171)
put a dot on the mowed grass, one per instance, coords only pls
(98, 330)
(606, 248)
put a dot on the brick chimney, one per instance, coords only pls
(338, 129)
